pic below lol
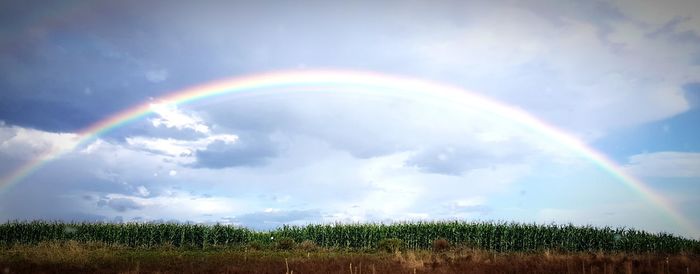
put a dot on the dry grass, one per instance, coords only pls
(71, 257)
(440, 245)
(308, 245)
(69, 253)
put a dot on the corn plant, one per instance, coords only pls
(497, 237)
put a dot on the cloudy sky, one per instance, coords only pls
(623, 77)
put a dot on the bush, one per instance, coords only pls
(285, 243)
(440, 245)
(308, 245)
(256, 245)
(390, 244)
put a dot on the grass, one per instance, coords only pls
(432, 247)
(72, 257)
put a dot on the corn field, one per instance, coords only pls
(497, 237)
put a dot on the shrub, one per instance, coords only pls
(285, 243)
(390, 244)
(256, 245)
(440, 245)
(308, 245)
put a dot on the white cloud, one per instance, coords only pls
(25, 143)
(157, 76)
(143, 191)
(177, 205)
(475, 201)
(92, 147)
(310, 174)
(668, 164)
(587, 80)
(178, 148)
(171, 147)
(172, 117)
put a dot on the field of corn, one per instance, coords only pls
(494, 237)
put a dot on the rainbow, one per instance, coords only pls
(356, 82)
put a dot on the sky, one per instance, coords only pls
(620, 77)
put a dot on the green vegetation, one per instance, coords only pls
(285, 243)
(493, 237)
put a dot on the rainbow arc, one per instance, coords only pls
(361, 83)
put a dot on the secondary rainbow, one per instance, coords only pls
(355, 82)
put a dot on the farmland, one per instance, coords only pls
(439, 247)
(497, 237)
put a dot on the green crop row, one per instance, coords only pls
(499, 237)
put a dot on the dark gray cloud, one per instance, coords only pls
(248, 151)
(601, 14)
(457, 159)
(42, 197)
(70, 74)
(36, 112)
(670, 31)
(275, 219)
(64, 66)
(64, 175)
(69, 187)
(363, 126)
(79, 62)
(120, 204)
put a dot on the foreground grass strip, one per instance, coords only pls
(73, 257)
